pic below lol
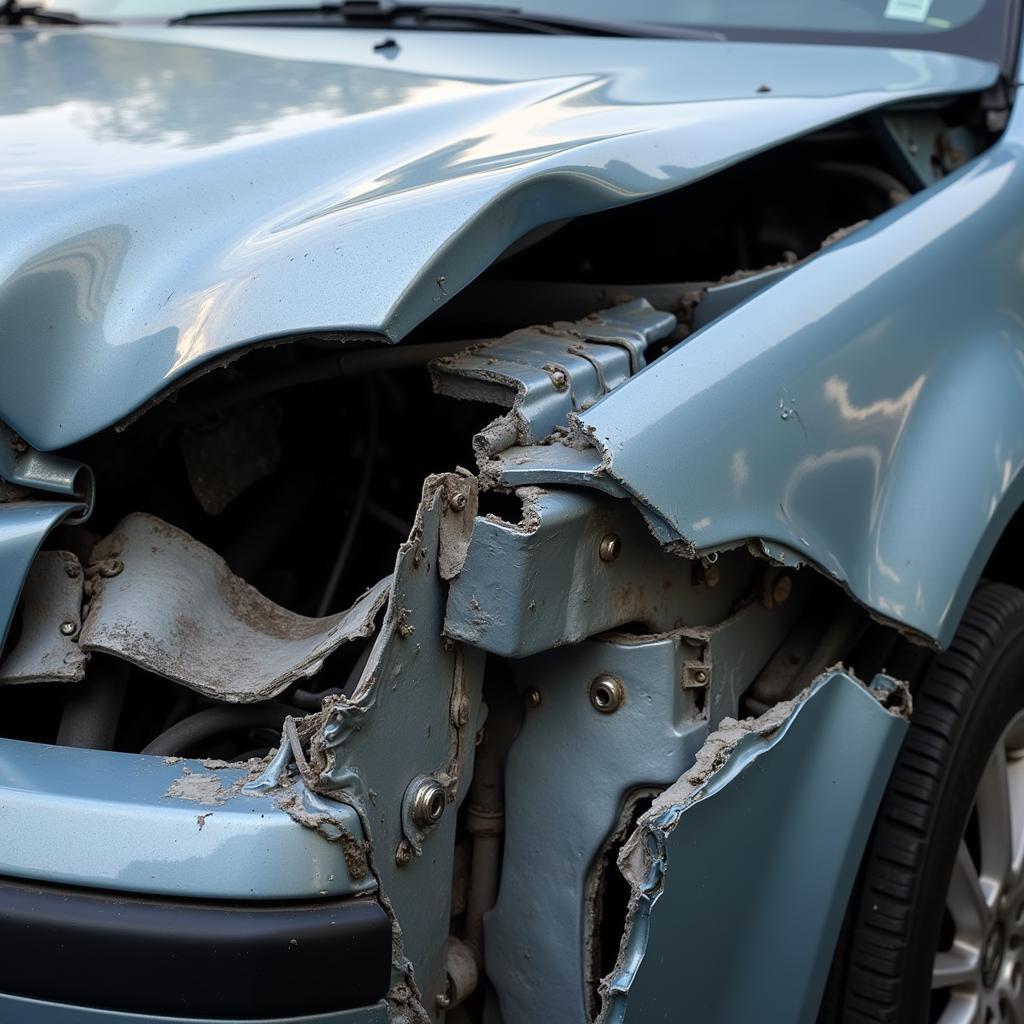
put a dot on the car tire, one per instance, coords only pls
(942, 818)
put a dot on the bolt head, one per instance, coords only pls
(610, 547)
(457, 501)
(782, 589)
(532, 697)
(712, 574)
(606, 694)
(403, 855)
(700, 676)
(68, 629)
(428, 803)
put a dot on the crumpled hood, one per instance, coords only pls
(170, 195)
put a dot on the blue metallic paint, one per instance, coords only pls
(820, 415)
(841, 412)
(760, 882)
(245, 847)
(175, 195)
(23, 528)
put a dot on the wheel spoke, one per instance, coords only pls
(995, 826)
(964, 1009)
(966, 900)
(957, 967)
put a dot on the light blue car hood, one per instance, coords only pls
(168, 196)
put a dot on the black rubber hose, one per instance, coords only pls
(211, 722)
(93, 710)
(309, 700)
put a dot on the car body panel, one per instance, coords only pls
(761, 883)
(33, 1011)
(178, 194)
(184, 829)
(831, 410)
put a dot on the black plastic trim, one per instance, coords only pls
(248, 961)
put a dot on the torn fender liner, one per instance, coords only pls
(47, 649)
(176, 609)
(756, 849)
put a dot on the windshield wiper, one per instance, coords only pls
(13, 13)
(397, 15)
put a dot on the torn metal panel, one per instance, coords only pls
(758, 881)
(567, 775)
(175, 608)
(47, 649)
(604, 719)
(23, 528)
(555, 587)
(460, 506)
(412, 718)
(542, 374)
(807, 421)
(718, 299)
(176, 245)
(172, 826)
(549, 465)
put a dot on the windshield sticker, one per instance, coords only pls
(907, 10)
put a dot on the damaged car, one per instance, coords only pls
(511, 514)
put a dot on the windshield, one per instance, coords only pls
(978, 28)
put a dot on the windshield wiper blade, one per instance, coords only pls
(13, 13)
(391, 14)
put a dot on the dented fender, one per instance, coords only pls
(761, 883)
(823, 418)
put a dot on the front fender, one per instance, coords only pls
(864, 414)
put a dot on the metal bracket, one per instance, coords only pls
(40, 471)
(542, 374)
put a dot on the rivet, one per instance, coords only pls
(558, 376)
(68, 628)
(610, 548)
(606, 694)
(700, 676)
(457, 501)
(782, 589)
(428, 803)
(532, 697)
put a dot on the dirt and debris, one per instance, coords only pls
(203, 789)
(295, 804)
(178, 611)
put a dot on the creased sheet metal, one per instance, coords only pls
(47, 649)
(177, 610)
